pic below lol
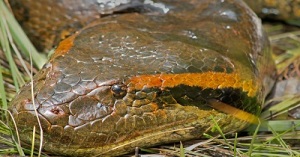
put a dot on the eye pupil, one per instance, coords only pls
(118, 89)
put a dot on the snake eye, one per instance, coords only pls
(119, 90)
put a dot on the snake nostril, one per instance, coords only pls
(119, 90)
(56, 110)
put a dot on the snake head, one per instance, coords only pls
(141, 79)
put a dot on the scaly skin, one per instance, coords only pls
(143, 79)
(47, 22)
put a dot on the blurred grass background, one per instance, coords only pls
(278, 135)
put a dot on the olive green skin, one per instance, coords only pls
(84, 113)
(47, 22)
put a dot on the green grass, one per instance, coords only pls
(266, 139)
(15, 52)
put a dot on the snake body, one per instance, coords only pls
(161, 75)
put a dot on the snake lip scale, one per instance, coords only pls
(158, 74)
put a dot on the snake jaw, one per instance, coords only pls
(110, 119)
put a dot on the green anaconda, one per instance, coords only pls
(143, 73)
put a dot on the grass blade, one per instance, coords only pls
(20, 37)
(2, 95)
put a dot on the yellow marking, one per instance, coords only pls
(235, 112)
(214, 80)
(64, 46)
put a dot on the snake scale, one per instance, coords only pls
(142, 73)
